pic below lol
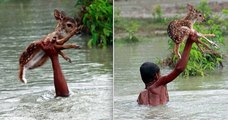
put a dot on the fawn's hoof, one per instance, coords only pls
(179, 56)
(79, 47)
(69, 60)
(216, 46)
(211, 35)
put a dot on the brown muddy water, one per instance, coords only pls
(89, 76)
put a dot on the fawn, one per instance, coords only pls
(179, 30)
(33, 56)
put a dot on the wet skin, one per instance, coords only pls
(52, 50)
(156, 93)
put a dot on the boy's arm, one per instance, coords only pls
(181, 64)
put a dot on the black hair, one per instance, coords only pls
(148, 71)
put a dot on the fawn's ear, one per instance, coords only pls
(190, 7)
(62, 15)
(59, 15)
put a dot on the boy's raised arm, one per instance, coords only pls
(181, 64)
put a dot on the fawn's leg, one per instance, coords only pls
(209, 35)
(176, 50)
(68, 36)
(65, 56)
(66, 46)
(205, 45)
(182, 36)
(201, 50)
(211, 42)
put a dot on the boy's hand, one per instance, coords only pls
(49, 48)
(193, 37)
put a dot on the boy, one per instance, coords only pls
(156, 91)
(52, 50)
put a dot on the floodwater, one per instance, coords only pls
(170, 8)
(193, 98)
(89, 76)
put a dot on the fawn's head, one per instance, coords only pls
(194, 14)
(64, 22)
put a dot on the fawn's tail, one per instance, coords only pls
(21, 74)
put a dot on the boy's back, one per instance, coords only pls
(154, 96)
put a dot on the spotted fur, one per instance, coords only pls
(179, 30)
(33, 56)
(176, 33)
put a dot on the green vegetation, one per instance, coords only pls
(131, 27)
(200, 63)
(139, 26)
(145, 27)
(157, 14)
(225, 11)
(97, 18)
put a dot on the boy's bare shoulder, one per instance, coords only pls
(143, 97)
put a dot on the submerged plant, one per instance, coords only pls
(131, 29)
(157, 14)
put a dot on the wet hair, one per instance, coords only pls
(148, 71)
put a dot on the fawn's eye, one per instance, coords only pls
(200, 15)
(69, 25)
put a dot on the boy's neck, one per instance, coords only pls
(147, 85)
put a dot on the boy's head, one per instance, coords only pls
(149, 72)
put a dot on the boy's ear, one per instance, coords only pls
(157, 76)
(189, 6)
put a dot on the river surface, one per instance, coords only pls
(89, 76)
(170, 8)
(193, 98)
